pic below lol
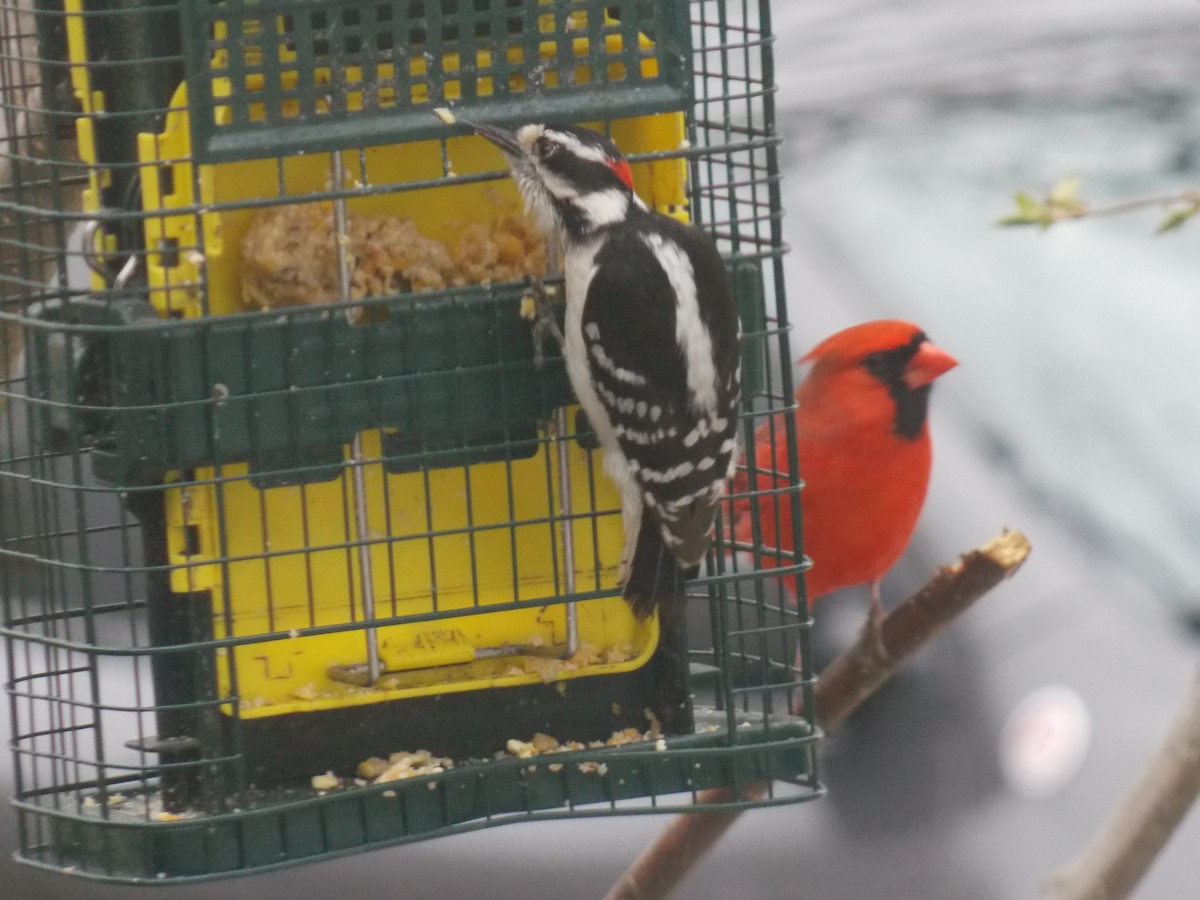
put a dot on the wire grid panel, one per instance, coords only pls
(271, 422)
(272, 78)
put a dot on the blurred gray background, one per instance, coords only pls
(1073, 417)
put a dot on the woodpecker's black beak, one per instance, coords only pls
(505, 140)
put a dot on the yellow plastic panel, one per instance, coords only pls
(293, 566)
(439, 212)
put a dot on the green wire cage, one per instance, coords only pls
(306, 548)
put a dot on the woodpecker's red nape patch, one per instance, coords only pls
(621, 167)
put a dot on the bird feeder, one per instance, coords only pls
(306, 547)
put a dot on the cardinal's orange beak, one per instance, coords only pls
(927, 363)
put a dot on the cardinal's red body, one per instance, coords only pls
(864, 452)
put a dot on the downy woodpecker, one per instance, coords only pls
(651, 348)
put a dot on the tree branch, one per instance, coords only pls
(1063, 203)
(1191, 195)
(841, 688)
(1122, 849)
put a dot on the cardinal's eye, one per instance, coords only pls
(876, 363)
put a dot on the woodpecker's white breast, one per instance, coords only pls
(579, 269)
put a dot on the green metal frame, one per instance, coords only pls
(453, 373)
(275, 830)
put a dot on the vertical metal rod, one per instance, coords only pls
(561, 425)
(357, 477)
(568, 531)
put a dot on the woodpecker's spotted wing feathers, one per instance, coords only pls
(661, 337)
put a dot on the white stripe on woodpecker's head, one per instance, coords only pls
(573, 180)
(571, 143)
(604, 207)
(527, 136)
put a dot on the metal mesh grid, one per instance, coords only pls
(193, 493)
(265, 75)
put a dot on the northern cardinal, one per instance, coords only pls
(864, 453)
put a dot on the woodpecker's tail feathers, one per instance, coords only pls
(655, 578)
(688, 529)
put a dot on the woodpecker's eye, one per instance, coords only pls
(545, 148)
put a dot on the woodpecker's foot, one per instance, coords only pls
(538, 306)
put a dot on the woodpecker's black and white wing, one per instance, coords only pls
(661, 334)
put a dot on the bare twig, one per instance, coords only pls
(1063, 203)
(1191, 195)
(1122, 849)
(842, 687)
